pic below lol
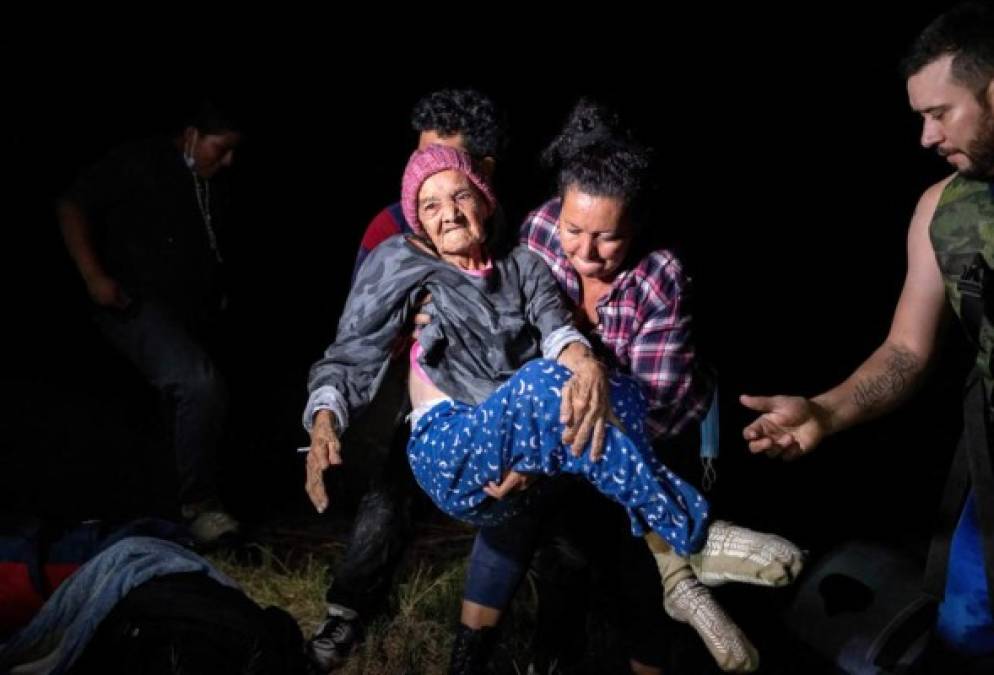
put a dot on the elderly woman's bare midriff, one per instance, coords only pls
(422, 390)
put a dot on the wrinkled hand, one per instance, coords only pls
(511, 482)
(586, 404)
(326, 451)
(789, 427)
(106, 292)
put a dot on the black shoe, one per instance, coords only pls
(472, 650)
(334, 639)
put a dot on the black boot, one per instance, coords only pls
(471, 650)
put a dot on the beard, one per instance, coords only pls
(980, 150)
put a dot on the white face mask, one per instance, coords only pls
(188, 152)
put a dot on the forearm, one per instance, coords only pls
(324, 419)
(77, 233)
(324, 401)
(884, 381)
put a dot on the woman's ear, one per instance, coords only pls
(487, 166)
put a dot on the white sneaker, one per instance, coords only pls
(690, 602)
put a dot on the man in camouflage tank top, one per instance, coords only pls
(950, 255)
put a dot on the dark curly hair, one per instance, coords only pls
(598, 154)
(967, 32)
(466, 112)
(207, 117)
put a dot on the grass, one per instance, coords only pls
(291, 566)
(414, 635)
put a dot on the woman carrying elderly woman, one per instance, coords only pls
(497, 376)
(632, 303)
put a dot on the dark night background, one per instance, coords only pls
(789, 170)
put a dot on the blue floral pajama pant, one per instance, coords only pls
(457, 448)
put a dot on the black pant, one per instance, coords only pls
(582, 541)
(376, 446)
(174, 360)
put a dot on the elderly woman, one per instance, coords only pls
(488, 397)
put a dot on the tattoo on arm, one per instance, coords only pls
(900, 367)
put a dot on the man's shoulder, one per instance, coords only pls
(933, 194)
(929, 202)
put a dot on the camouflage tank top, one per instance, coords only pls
(962, 228)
